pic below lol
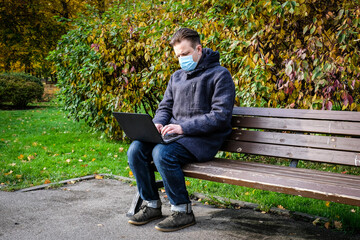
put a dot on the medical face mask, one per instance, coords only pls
(187, 63)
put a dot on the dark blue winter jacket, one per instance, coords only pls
(201, 102)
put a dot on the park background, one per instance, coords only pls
(107, 56)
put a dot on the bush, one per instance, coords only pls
(20, 88)
(289, 54)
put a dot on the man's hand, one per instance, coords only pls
(159, 127)
(171, 129)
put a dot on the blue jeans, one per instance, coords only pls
(168, 159)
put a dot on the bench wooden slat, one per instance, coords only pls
(301, 173)
(302, 153)
(228, 171)
(298, 113)
(300, 125)
(324, 142)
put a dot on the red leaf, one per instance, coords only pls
(329, 105)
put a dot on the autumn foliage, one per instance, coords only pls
(289, 54)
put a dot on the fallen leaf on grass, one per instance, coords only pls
(121, 149)
(316, 221)
(21, 156)
(338, 225)
(68, 160)
(280, 207)
(353, 210)
(131, 174)
(47, 181)
(12, 164)
(327, 203)
(8, 173)
(187, 183)
(93, 159)
(327, 225)
(18, 176)
(99, 177)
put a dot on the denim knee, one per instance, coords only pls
(133, 151)
(159, 155)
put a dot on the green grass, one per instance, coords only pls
(39, 145)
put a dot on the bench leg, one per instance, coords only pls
(137, 201)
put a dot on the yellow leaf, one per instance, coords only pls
(99, 177)
(18, 176)
(247, 193)
(316, 221)
(21, 156)
(187, 183)
(147, 57)
(131, 174)
(47, 181)
(8, 173)
(93, 159)
(327, 203)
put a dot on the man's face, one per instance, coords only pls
(184, 48)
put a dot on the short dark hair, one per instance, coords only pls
(186, 33)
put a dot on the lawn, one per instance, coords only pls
(41, 145)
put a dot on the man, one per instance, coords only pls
(197, 103)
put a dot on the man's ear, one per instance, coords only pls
(199, 48)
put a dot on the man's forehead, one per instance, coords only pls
(182, 46)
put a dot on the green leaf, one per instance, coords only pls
(319, 44)
(312, 30)
(306, 28)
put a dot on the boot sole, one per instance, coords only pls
(174, 229)
(144, 222)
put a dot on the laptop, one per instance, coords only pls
(138, 126)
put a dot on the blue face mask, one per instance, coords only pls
(187, 63)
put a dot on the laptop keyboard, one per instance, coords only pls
(170, 136)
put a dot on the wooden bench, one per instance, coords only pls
(327, 137)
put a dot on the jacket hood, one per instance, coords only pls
(209, 59)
